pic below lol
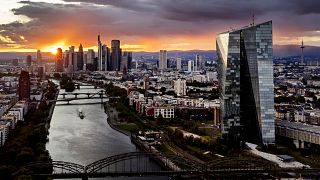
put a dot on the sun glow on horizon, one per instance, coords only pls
(53, 48)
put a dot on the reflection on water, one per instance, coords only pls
(85, 140)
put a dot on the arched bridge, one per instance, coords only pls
(133, 164)
(140, 164)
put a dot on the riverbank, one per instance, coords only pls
(53, 105)
(163, 161)
(112, 119)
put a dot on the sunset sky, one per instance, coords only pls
(149, 25)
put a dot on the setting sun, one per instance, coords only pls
(53, 51)
(53, 48)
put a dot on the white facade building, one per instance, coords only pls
(4, 132)
(180, 87)
(190, 66)
(166, 112)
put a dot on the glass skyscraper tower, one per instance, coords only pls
(245, 70)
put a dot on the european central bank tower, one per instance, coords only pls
(245, 70)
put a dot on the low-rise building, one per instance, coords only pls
(4, 131)
(166, 112)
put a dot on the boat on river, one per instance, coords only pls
(80, 113)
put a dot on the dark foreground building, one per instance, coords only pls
(246, 83)
(24, 86)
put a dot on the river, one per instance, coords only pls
(84, 141)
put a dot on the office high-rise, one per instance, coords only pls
(103, 56)
(39, 57)
(115, 55)
(90, 56)
(66, 59)
(245, 70)
(129, 59)
(59, 60)
(90, 60)
(126, 61)
(178, 61)
(72, 60)
(99, 54)
(163, 64)
(199, 63)
(80, 61)
(190, 66)
(28, 60)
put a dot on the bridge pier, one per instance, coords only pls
(76, 95)
(301, 144)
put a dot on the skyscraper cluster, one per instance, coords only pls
(197, 64)
(245, 72)
(108, 59)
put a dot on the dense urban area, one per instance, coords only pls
(181, 105)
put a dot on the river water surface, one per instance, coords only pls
(84, 141)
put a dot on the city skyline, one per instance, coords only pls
(170, 25)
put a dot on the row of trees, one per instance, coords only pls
(27, 143)
(67, 83)
(210, 145)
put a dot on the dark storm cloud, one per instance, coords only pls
(137, 19)
(85, 20)
(193, 10)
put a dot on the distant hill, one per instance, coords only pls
(278, 51)
(23, 55)
(294, 50)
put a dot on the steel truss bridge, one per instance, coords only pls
(139, 164)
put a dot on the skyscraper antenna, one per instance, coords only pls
(253, 18)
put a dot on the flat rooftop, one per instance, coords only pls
(299, 126)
